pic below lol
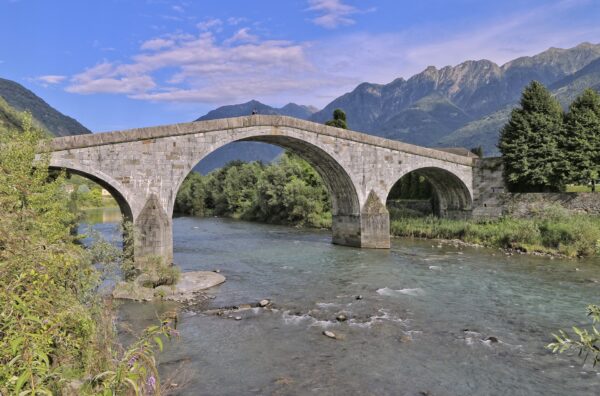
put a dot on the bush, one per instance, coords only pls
(53, 327)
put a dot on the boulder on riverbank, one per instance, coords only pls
(186, 289)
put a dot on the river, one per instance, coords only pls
(419, 329)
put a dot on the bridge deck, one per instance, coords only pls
(106, 138)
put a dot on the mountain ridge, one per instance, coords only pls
(16, 98)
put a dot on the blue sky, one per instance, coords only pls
(116, 64)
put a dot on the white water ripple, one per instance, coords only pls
(386, 291)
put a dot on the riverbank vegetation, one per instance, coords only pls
(85, 194)
(551, 231)
(57, 334)
(288, 191)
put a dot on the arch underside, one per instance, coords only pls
(343, 195)
(118, 197)
(452, 197)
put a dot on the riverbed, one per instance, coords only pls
(425, 324)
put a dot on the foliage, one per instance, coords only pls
(588, 343)
(549, 231)
(135, 370)
(86, 194)
(529, 142)
(411, 186)
(339, 119)
(478, 151)
(581, 140)
(51, 327)
(289, 191)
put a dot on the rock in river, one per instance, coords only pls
(189, 285)
(329, 334)
(264, 303)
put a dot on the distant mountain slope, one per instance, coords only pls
(464, 105)
(18, 98)
(248, 151)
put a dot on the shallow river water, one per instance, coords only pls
(420, 328)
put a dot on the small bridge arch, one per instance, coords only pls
(453, 197)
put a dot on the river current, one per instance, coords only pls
(426, 324)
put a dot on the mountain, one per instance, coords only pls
(456, 106)
(16, 98)
(463, 105)
(248, 151)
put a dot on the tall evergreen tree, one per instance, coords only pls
(529, 142)
(339, 119)
(581, 141)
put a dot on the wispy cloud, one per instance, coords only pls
(209, 24)
(211, 67)
(203, 69)
(333, 13)
(50, 79)
(242, 36)
(156, 44)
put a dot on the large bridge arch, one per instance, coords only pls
(346, 208)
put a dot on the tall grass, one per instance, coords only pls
(552, 231)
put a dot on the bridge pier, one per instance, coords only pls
(153, 234)
(371, 229)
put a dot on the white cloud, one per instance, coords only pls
(235, 20)
(334, 13)
(156, 44)
(200, 69)
(242, 36)
(209, 24)
(204, 68)
(108, 78)
(50, 79)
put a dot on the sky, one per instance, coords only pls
(117, 64)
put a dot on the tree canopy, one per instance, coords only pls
(529, 142)
(581, 141)
(339, 119)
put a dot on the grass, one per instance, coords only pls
(580, 188)
(552, 231)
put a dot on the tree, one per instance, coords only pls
(339, 119)
(581, 141)
(478, 151)
(529, 142)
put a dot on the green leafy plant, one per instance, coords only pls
(587, 342)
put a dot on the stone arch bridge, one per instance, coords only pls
(144, 168)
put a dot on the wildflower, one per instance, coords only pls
(151, 382)
(132, 361)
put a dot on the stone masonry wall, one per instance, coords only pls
(525, 205)
(491, 198)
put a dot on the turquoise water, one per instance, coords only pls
(420, 327)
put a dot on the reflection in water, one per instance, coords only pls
(422, 326)
(102, 215)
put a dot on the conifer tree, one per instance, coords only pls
(529, 142)
(581, 141)
(339, 119)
